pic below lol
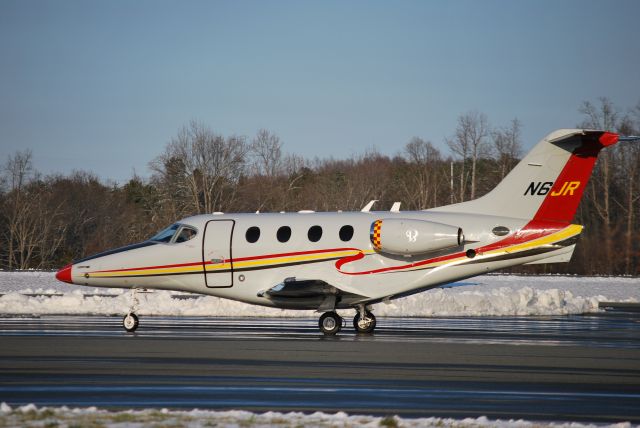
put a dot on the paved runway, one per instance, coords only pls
(584, 368)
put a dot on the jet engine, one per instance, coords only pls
(406, 237)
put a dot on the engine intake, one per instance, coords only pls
(407, 236)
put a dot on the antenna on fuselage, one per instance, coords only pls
(632, 138)
(395, 208)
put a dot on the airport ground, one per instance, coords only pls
(561, 368)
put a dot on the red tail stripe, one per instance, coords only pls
(562, 208)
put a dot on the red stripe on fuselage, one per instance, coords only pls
(532, 230)
(298, 253)
(152, 267)
(239, 259)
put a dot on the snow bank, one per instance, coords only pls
(45, 416)
(27, 293)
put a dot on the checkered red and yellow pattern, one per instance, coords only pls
(375, 234)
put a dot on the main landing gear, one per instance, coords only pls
(330, 323)
(364, 322)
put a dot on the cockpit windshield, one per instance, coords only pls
(175, 233)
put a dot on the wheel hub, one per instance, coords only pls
(364, 323)
(129, 321)
(329, 323)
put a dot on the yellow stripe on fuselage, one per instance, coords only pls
(566, 233)
(153, 271)
(266, 262)
(275, 261)
(561, 235)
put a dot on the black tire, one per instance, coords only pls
(130, 322)
(330, 323)
(364, 328)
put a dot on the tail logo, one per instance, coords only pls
(542, 188)
(567, 188)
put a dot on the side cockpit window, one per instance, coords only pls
(186, 233)
(175, 233)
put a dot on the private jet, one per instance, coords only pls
(329, 261)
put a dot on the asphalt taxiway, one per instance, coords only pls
(578, 368)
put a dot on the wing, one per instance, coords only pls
(293, 293)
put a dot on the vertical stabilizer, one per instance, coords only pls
(548, 184)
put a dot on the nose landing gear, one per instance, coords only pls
(130, 321)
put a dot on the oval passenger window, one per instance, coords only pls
(346, 233)
(284, 233)
(253, 234)
(315, 233)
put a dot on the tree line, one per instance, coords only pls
(47, 221)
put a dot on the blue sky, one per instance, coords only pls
(103, 86)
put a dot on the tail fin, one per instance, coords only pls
(548, 183)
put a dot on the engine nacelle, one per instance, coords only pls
(404, 236)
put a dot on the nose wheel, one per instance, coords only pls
(130, 322)
(330, 323)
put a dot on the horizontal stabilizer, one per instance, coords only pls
(560, 256)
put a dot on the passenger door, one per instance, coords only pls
(216, 253)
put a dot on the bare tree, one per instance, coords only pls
(274, 175)
(17, 170)
(34, 230)
(267, 150)
(604, 117)
(469, 141)
(507, 146)
(205, 164)
(267, 165)
(422, 184)
(629, 167)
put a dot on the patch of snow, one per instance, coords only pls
(201, 418)
(27, 408)
(489, 295)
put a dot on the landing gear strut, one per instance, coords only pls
(364, 321)
(130, 321)
(330, 323)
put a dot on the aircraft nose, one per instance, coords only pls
(64, 274)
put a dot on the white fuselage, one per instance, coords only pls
(220, 261)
